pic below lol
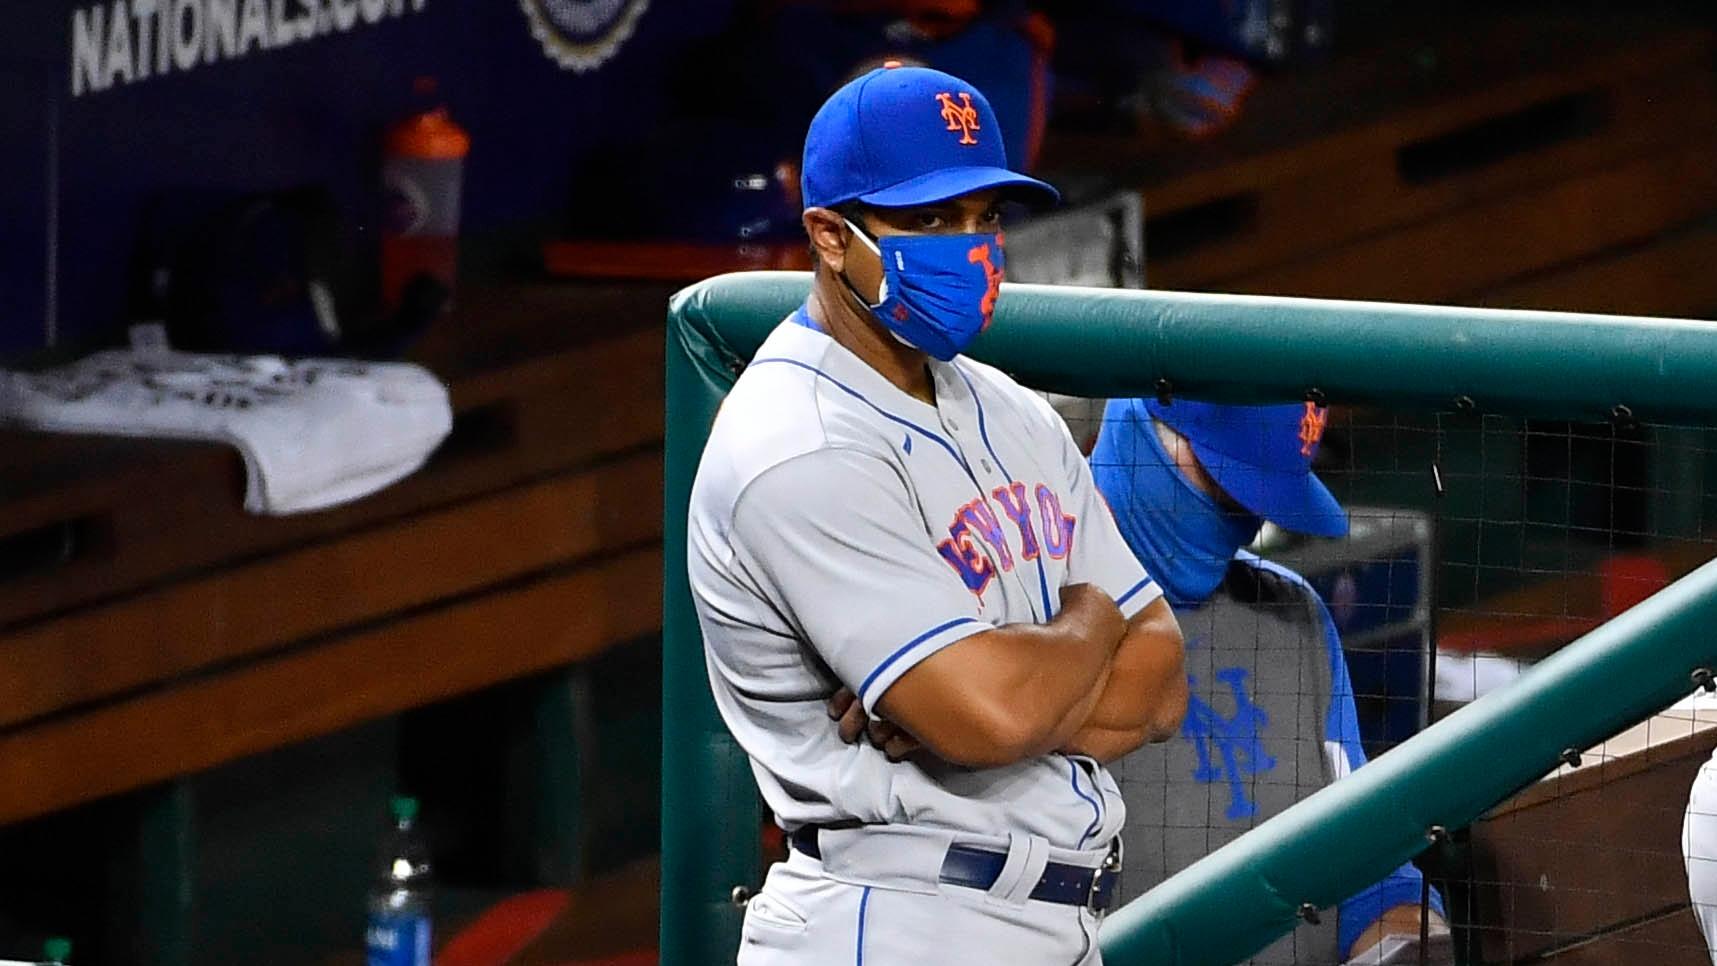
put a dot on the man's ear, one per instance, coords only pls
(829, 236)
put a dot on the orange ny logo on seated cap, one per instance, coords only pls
(1312, 427)
(962, 117)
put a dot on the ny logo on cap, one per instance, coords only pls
(962, 117)
(1312, 427)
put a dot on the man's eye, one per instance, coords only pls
(928, 221)
(993, 216)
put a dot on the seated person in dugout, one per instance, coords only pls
(1271, 717)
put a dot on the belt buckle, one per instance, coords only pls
(1110, 868)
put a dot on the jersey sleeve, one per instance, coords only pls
(833, 541)
(1100, 554)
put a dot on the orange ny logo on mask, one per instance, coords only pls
(1312, 427)
(980, 255)
(962, 117)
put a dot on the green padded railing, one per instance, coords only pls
(1106, 342)
(1238, 899)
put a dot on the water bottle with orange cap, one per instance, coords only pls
(422, 172)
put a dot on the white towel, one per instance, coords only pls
(314, 433)
(1465, 677)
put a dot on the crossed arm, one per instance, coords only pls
(1144, 696)
(1088, 682)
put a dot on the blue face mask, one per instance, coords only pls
(1182, 536)
(938, 291)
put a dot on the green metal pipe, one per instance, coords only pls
(1239, 899)
(1244, 348)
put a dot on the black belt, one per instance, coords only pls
(975, 868)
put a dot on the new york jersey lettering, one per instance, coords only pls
(978, 517)
(962, 552)
(1051, 532)
(1012, 499)
(1057, 526)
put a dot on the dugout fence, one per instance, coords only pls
(1531, 518)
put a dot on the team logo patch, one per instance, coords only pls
(582, 35)
(1312, 427)
(1230, 748)
(962, 117)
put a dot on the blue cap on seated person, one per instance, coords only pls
(904, 136)
(1262, 457)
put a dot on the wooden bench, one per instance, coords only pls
(1458, 160)
(1669, 276)
(153, 630)
(1585, 866)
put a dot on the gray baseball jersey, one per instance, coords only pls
(841, 531)
(1254, 742)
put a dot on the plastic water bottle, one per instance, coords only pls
(422, 175)
(399, 930)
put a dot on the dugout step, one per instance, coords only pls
(1458, 256)
(180, 637)
(1340, 153)
(160, 636)
(1669, 276)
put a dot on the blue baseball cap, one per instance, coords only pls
(1262, 457)
(903, 136)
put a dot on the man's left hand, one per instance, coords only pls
(853, 723)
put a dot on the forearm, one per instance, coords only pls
(1079, 716)
(1386, 906)
(1048, 680)
(1012, 692)
(1402, 920)
(1144, 696)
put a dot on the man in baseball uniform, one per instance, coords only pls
(1272, 716)
(920, 619)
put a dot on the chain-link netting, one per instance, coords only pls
(1476, 545)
